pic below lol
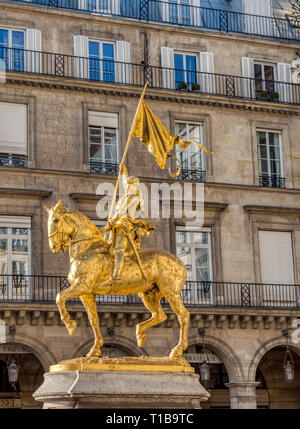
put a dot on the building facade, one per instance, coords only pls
(220, 73)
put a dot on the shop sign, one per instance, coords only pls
(10, 403)
(200, 357)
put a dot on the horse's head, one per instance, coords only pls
(59, 229)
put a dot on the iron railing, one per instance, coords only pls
(272, 181)
(172, 13)
(11, 160)
(116, 72)
(38, 288)
(196, 175)
(99, 167)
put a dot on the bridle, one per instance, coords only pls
(70, 242)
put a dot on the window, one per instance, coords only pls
(13, 139)
(101, 61)
(179, 12)
(270, 159)
(100, 6)
(11, 49)
(14, 257)
(103, 142)
(191, 158)
(185, 69)
(193, 247)
(264, 80)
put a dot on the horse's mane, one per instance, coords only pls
(89, 223)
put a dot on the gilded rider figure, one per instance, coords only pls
(124, 226)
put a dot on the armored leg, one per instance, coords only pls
(118, 263)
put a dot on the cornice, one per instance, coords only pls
(272, 209)
(25, 192)
(70, 84)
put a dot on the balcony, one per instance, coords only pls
(10, 160)
(194, 175)
(98, 167)
(195, 17)
(272, 181)
(43, 289)
(120, 73)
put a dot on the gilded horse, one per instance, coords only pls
(91, 266)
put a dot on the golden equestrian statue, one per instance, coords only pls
(118, 266)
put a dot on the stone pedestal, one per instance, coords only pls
(121, 389)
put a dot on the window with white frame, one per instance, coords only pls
(13, 134)
(12, 44)
(103, 142)
(191, 158)
(185, 69)
(193, 247)
(101, 61)
(15, 256)
(264, 79)
(270, 159)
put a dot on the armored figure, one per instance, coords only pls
(124, 226)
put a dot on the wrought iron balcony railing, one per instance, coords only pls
(11, 160)
(43, 289)
(120, 73)
(196, 175)
(99, 167)
(272, 181)
(186, 15)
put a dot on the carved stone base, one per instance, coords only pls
(121, 389)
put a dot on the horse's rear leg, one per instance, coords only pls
(151, 301)
(91, 309)
(183, 317)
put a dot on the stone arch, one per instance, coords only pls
(263, 349)
(231, 361)
(38, 349)
(120, 341)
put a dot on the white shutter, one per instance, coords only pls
(207, 80)
(82, 4)
(277, 267)
(259, 24)
(103, 119)
(284, 80)
(115, 7)
(123, 70)
(167, 64)
(33, 44)
(13, 128)
(164, 11)
(195, 13)
(248, 74)
(258, 7)
(81, 52)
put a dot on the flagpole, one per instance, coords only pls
(125, 151)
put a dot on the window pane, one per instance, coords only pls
(3, 37)
(183, 237)
(201, 237)
(110, 143)
(202, 265)
(262, 138)
(258, 77)
(3, 256)
(108, 66)
(94, 63)
(263, 166)
(185, 12)
(184, 253)
(3, 230)
(95, 152)
(173, 11)
(269, 77)
(191, 69)
(194, 132)
(18, 39)
(179, 73)
(263, 154)
(20, 231)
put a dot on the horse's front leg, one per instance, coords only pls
(91, 309)
(61, 298)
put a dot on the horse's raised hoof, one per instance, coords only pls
(93, 353)
(71, 326)
(141, 338)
